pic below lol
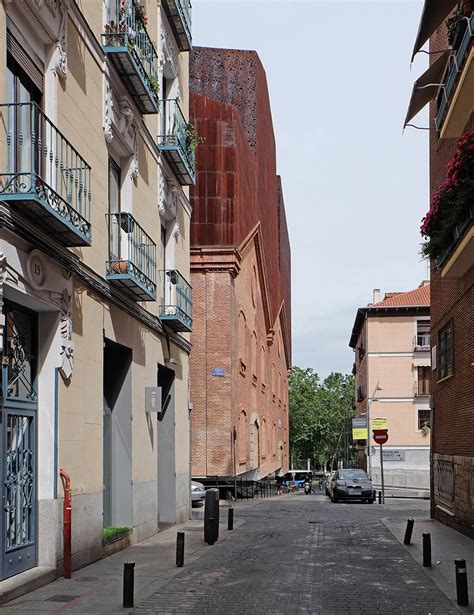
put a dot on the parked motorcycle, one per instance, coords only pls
(307, 487)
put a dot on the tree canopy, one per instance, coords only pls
(320, 416)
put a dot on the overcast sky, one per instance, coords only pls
(355, 188)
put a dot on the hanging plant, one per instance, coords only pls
(453, 203)
(192, 138)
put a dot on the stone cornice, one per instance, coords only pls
(20, 225)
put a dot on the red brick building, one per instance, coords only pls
(452, 272)
(240, 273)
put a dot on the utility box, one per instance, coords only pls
(211, 516)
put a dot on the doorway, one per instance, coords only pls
(117, 436)
(166, 443)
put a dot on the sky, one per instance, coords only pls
(355, 187)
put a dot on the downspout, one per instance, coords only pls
(66, 523)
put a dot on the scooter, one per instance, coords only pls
(307, 488)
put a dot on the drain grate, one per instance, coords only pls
(61, 598)
(85, 579)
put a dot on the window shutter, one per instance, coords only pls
(24, 60)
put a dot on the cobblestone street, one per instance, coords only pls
(306, 555)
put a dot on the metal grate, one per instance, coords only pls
(445, 473)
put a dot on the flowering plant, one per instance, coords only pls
(452, 202)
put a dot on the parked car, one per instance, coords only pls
(198, 491)
(351, 484)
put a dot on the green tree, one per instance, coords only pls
(320, 414)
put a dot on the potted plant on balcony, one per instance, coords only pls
(452, 205)
(192, 138)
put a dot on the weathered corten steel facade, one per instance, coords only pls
(240, 273)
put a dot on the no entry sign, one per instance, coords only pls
(380, 436)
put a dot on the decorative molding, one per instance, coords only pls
(169, 54)
(120, 121)
(67, 345)
(48, 19)
(108, 111)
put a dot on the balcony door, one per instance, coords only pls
(23, 122)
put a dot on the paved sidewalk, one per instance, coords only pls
(447, 545)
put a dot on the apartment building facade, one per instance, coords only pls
(240, 273)
(391, 341)
(449, 234)
(94, 262)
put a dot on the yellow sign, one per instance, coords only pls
(379, 424)
(359, 429)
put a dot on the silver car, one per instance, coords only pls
(351, 484)
(198, 491)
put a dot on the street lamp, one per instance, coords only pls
(369, 401)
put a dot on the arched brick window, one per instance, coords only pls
(242, 437)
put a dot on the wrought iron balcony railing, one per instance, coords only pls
(179, 15)
(455, 67)
(422, 341)
(177, 141)
(132, 258)
(128, 45)
(44, 175)
(176, 301)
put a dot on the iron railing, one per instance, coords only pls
(132, 255)
(457, 233)
(42, 163)
(242, 489)
(445, 484)
(176, 300)
(177, 133)
(422, 341)
(455, 67)
(125, 29)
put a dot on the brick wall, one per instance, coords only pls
(453, 399)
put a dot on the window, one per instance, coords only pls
(424, 419)
(422, 334)
(424, 381)
(114, 187)
(445, 351)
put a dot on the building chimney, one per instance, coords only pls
(376, 295)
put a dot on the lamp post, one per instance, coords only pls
(369, 401)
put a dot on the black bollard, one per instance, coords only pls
(211, 539)
(230, 519)
(180, 549)
(408, 531)
(461, 582)
(427, 550)
(380, 497)
(128, 584)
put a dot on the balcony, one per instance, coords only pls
(422, 342)
(176, 301)
(177, 143)
(422, 388)
(455, 103)
(458, 258)
(179, 16)
(132, 258)
(131, 51)
(44, 177)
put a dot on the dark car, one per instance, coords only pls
(351, 484)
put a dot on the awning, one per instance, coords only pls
(434, 13)
(422, 361)
(426, 87)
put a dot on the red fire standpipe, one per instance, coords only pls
(66, 522)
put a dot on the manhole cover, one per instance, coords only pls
(61, 598)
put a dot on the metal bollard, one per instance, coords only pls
(128, 584)
(211, 540)
(408, 531)
(230, 519)
(461, 582)
(180, 549)
(380, 497)
(427, 550)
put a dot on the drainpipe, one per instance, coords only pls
(66, 523)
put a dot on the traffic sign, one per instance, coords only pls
(380, 436)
